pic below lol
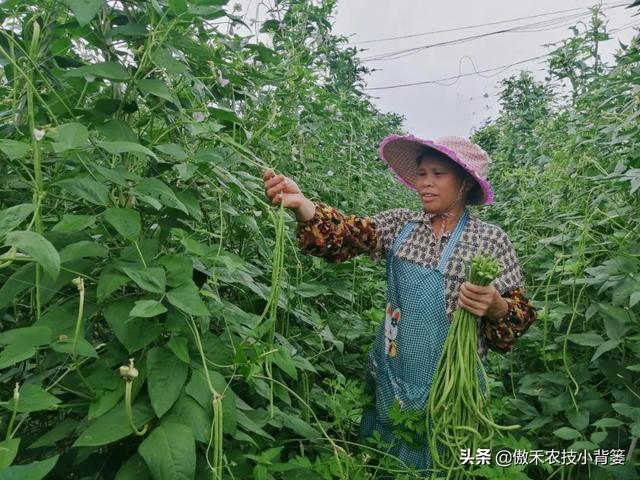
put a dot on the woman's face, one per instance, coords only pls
(438, 184)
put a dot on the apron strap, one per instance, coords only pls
(404, 233)
(453, 241)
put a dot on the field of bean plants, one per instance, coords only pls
(157, 319)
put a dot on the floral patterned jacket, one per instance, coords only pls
(337, 237)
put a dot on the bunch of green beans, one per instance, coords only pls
(457, 414)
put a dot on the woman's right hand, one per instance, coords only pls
(279, 188)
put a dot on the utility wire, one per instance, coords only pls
(521, 28)
(479, 72)
(467, 27)
(503, 67)
(410, 51)
(624, 27)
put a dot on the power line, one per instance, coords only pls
(479, 72)
(522, 28)
(481, 24)
(456, 77)
(624, 27)
(410, 51)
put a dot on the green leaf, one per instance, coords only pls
(150, 279)
(260, 472)
(155, 87)
(179, 268)
(113, 425)
(160, 191)
(208, 10)
(31, 471)
(269, 455)
(251, 426)
(74, 223)
(312, 289)
(118, 175)
(582, 445)
(61, 431)
(627, 410)
(11, 217)
(22, 279)
(163, 59)
(172, 150)
(586, 339)
(134, 469)
(598, 437)
(224, 114)
(83, 249)
(13, 354)
(186, 297)
(14, 149)
(300, 426)
(166, 376)
(39, 248)
(147, 309)
(185, 171)
(68, 137)
(178, 6)
(180, 348)
(83, 347)
(118, 130)
(133, 333)
(119, 147)
(129, 30)
(105, 400)
(108, 282)
(634, 299)
(198, 389)
(615, 320)
(619, 315)
(26, 336)
(579, 419)
(61, 318)
(126, 221)
(189, 412)
(608, 423)
(566, 433)
(283, 359)
(8, 451)
(85, 10)
(85, 188)
(109, 70)
(33, 398)
(170, 452)
(605, 347)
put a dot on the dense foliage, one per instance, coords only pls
(567, 169)
(140, 333)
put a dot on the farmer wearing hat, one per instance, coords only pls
(425, 255)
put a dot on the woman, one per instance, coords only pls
(425, 252)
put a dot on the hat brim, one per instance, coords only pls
(400, 154)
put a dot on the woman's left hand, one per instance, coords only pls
(482, 301)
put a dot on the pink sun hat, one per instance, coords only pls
(400, 153)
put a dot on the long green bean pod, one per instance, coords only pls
(457, 409)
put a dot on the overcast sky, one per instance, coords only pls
(434, 110)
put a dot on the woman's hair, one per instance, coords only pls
(475, 196)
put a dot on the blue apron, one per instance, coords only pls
(408, 344)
